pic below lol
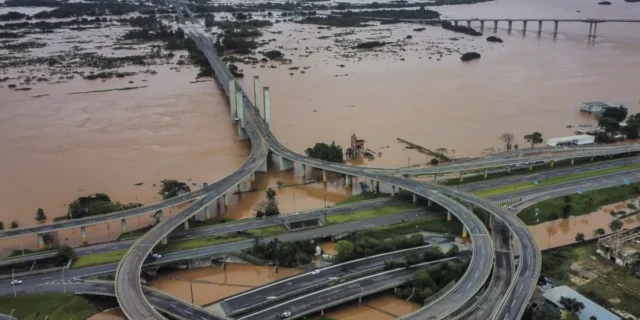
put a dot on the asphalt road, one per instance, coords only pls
(294, 286)
(240, 225)
(334, 295)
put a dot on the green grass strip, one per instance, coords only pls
(196, 243)
(556, 180)
(268, 231)
(97, 259)
(584, 203)
(433, 224)
(371, 213)
(363, 196)
(54, 305)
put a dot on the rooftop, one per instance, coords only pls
(590, 307)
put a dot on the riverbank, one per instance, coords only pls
(53, 305)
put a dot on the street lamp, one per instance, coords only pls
(13, 284)
(325, 206)
(64, 287)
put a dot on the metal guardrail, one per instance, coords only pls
(30, 273)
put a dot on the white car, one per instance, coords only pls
(14, 282)
(285, 315)
(156, 256)
(315, 271)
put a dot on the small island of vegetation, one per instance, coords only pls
(326, 152)
(470, 56)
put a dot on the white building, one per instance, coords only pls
(596, 107)
(571, 140)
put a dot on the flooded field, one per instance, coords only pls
(563, 231)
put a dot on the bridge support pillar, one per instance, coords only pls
(232, 98)
(435, 178)
(481, 24)
(555, 27)
(393, 191)
(347, 181)
(226, 200)
(360, 300)
(124, 225)
(429, 203)
(448, 215)
(263, 166)
(267, 106)
(242, 134)
(324, 175)
(40, 241)
(510, 22)
(207, 215)
(465, 233)
(461, 176)
(590, 28)
(455, 22)
(185, 225)
(468, 23)
(531, 167)
(573, 161)
(377, 186)
(508, 169)
(551, 164)
(524, 26)
(304, 170)
(239, 188)
(256, 93)
(253, 176)
(595, 28)
(495, 25)
(83, 232)
(415, 198)
(486, 172)
(591, 158)
(539, 26)
(322, 312)
(285, 164)
(373, 186)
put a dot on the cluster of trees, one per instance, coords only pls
(96, 204)
(14, 225)
(427, 282)
(508, 139)
(326, 152)
(368, 246)
(64, 254)
(12, 15)
(91, 9)
(172, 188)
(268, 207)
(40, 216)
(287, 254)
(610, 122)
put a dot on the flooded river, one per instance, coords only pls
(59, 147)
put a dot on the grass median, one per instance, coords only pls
(433, 224)
(97, 259)
(371, 213)
(197, 243)
(268, 231)
(581, 204)
(556, 180)
(41, 305)
(362, 197)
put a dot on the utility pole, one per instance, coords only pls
(325, 206)
(191, 288)
(13, 284)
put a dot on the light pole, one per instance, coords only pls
(64, 287)
(13, 284)
(191, 288)
(22, 247)
(325, 206)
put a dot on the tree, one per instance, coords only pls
(593, 318)
(40, 215)
(619, 113)
(208, 21)
(1, 225)
(326, 152)
(553, 217)
(613, 213)
(615, 225)
(179, 34)
(271, 194)
(345, 250)
(14, 224)
(598, 232)
(433, 253)
(571, 305)
(579, 237)
(507, 139)
(566, 210)
(65, 253)
(434, 161)
(442, 151)
(516, 146)
(610, 124)
(412, 257)
(452, 251)
(173, 188)
(534, 138)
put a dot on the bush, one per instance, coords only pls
(470, 56)
(323, 151)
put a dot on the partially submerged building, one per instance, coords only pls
(597, 107)
(591, 309)
(623, 247)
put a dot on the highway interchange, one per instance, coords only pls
(138, 303)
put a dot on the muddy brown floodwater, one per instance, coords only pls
(385, 306)
(213, 284)
(563, 231)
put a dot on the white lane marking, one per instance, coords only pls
(189, 312)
